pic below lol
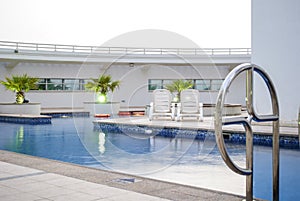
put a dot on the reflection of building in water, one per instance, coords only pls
(101, 143)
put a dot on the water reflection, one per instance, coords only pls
(101, 143)
(20, 136)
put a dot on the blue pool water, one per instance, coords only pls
(174, 159)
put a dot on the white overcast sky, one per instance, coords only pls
(209, 23)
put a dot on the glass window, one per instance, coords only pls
(42, 84)
(166, 82)
(71, 84)
(54, 84)
(202, 85)
(154, 84)
(81, 84)
(216, 84)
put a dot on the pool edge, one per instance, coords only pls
(147, 186)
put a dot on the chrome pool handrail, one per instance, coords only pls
(246, 122)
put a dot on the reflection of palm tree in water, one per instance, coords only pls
(101, 142)
(20, 136)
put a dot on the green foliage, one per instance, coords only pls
(178, 86)
(19, 85)
(103, 84)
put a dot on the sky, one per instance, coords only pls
(208, 23)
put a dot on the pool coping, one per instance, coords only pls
(195, 130)
(207, 125)
(147, 186)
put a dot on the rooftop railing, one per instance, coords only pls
(56, 48)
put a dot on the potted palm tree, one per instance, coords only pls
(101, 87)
(20, 85)
(178, 86)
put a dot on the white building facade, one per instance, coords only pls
(275, 47)
(63, 72)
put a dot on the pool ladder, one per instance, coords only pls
(246, 122)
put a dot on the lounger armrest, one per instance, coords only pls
(173, 110)
(151, 111)
(178, 109)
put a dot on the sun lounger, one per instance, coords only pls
(189, 105)
(161, 105)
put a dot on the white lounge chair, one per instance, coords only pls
(162, 105)
(189, 105)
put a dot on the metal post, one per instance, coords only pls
(252, 115)
(299, 126)
(276, 160)
(249, 135)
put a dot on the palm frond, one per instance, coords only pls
(103, 84)
(20, 84)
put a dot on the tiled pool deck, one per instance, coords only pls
(28, 178)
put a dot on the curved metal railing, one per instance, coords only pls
(19, 46)
(246, 122)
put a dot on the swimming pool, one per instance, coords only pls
(186, 161)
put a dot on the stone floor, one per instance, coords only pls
(28, 178)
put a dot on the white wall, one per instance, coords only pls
(133, 90)
(276, 47)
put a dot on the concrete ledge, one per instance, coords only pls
(25, 108)
(102, 108)
(229, 109)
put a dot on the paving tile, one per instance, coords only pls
(16, 169)
(135, 196)
(52, 192)
(46, 177)
(16, 181)
(30, 186)
(35, 186)
(4, 174)
(63, 181)
(20, 197)
(82, 186)
(105, 191)
(4, 191)
(77, 196)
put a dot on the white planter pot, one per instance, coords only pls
(93, 108)
(25, 108)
